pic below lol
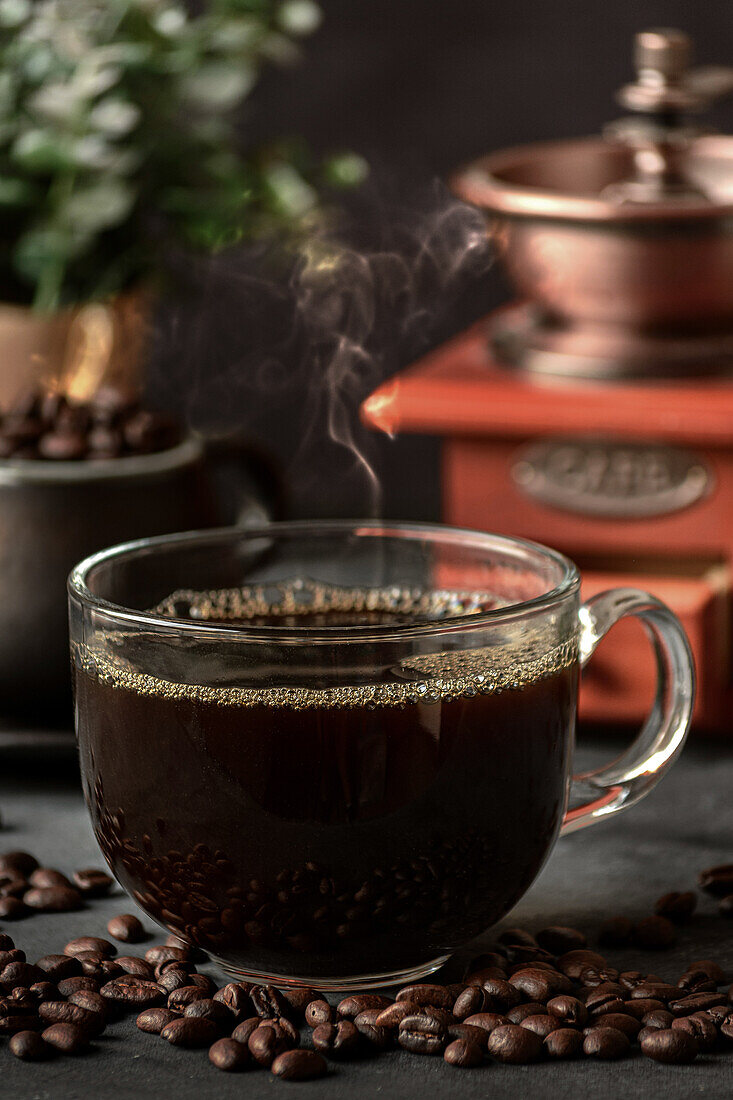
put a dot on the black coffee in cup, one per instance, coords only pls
(345, 828)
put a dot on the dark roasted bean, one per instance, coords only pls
(696, 1002)
(10, 1025)
(53, 899)
(700, 1027)
(153, 1020)
(31, 1047)
(12, 908)
(463, 1054)
(186, 995)
(657, 1018)
(696, 981)
(93, 1002)
(356, 1003)
(380, 1038)
(6, 942)
(542, 1025)
(235, 997)
(339, 1040)
(514, 1045)
(726, 1026)
(63, 1012)
(190, 1033)
(319, 1012)
(299, 997)
(127, 928)
(717, 880)
(229, 1055)
(712, 969)
(477, 1035)
(559, 940)
(244, 1029)
(534, 984)
(209, 1009)
(488, 1021)
(676, 907)
(83, 944)
(22, 863)
(514, 937)
(67, 986)
(265, 1043)
(67, 1038)
(22, 973)
(568, 1009)
(436, 995)
(423, 1032)
(606, 1043)
(521, 1012)
(621, 1021)
(92, 883)
(59, 966)
(48, 876)
(566, 1042)
(598, 1003)
(45, 991)
(500, 995)
(470, 1001)
(129, 992)
(174, 978)
(670, 1046)
(160, 954)
(658, 991)
(655, 934)
(640, 1008)
(299, 1065)
(573, 963)
(268, 1002)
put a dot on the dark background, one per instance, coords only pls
(417, 87)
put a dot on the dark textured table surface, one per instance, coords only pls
(619, 867)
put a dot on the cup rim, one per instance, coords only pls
(568, 583)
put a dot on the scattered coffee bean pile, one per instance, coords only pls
(530, 998)
(49, 426)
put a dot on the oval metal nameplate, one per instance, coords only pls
(604, 477)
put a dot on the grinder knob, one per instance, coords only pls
(665, 84)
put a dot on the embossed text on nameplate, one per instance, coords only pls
(611, 477)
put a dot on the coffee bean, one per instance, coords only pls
(63, 1012)
(67, 1038)
(700, 1027)
(469, 1002)
(44, 991)
(696, 981)
(229, 1055)
(712, 969)
(517, 937)
(463, 1054)
(725, 906)
(573, 963)
(12, 908)
(599, 1004)
(30, 1047)
(521, 1012)
(22, 863)
(621, 1021)
(299, 997)
(244, 1029)
(559, 940)
(174, 977)
(67, 986)
(92, 1002)
(186, 995)
(677, 907)
(379, 1038)
(127, 928)
(356, 1003)
(536, 984)
(83, 944)
(209, 1009)
(670, 1046)
(514, 1045)
(48, 876)
(92, 883)
(726, 1026)
(478, 977)
(153, 1020)
(500, 995)
(488, 959)
(565, 1042)
(478, 1035)
(299, 1065)
(657, 1018)
(12, 887)
(11, 1025)
(487, 1021)
(568, 1009)
(422, 1033)
(655, 934)
(265, 1043)
(268, 1002)
(59, 966)
(235, 997)
(717, 881)
(541, 1024)
(696, 1002)
(130, 964)
(190, 1033)
(129, 992)
(160, 954)
(62, 445)
(640, 1008)
(436, 995)
(340, 1040)
(22, 973)
(320, 1012)
(605, 1043)
(6, 942)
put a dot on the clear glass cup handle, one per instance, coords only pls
(624, 781)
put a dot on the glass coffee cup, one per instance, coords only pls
(332, 753)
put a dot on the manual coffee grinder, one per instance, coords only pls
(595, 413)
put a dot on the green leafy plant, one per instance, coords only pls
(117, 138)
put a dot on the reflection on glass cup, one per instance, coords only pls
(336, 752)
